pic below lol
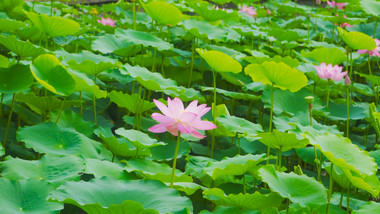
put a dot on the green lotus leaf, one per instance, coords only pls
(307, 154)
(370, 184)
(119, 146)
(163, 12)
(15, 79)
(204, 29)
(338, 175)
(219, 61)
(279, 74)
(187, 187)
(335, 56)
(70, 119)
(235, 95)
(27, 196)
(165, 153)
(20, 48)
(50, 168)
(2, 151)
(287, 60)
(9, 5)
(53, 26)
(50, 139)
(255, 201)
(138, 139)
(342, 153)
(107, 195)
(376, 155)
(374, 79)
(282, 141)
(357, 111)
(229, 51)
(371, 7)
(185, 94)
(87, 62)
(156, 171)
(151, 81)
(49, 72)
(210, 15)
(300, 189)
(374, 117)
(4, 62)
(130, 102)
(8, 25)
(83, 83)
(142, 38)
(239, 125)
(238, 165)
(370, 207)
(109, 43)
(357, 40)
(101, 168)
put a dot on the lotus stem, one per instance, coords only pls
(351, 64)
(175, 158)
(239, 145)
(287, 206)
(134, 13)
(328, 93)
(192, 63)
(60, 110)
(311, 116)
(244, 186)
(94, 105)
(81, 104)
(373, 85)
(348, 198)
(214, 115)
(270, 117)
(9, 120)
(348, 113)
(279, 159)
(331, 184)
(374, 31)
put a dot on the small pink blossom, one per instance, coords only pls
(176, 118)
(107, 21)
(347, 80)
(375, 52)
(343, 25)
(340, 6)
(249, 10)
(217, 8)
(318, 1)
(269, 12)
(329, 72)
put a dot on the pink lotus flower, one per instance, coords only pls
(347, 80)
(269, 12)
(217, 8)
(318, 1)
(107, 21)
(344, 24)
(339, 5)
(329, 72)
(249, 10)
(176, 118)
(374, 52)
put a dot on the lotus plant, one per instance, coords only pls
(250, 11)
(177, 120)
(334, 4)
(107, 21)
(374, 52)
(330, 72)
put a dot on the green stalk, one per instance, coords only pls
(51, 7)
(244, 186)
(373, 85)
(287, 206)
(279, 159)
(134, 13)
(330, 188)
(351, 65)
(175, 158)
(213, 114)
(9, 120)
(328, 93)
(270, 118)
(239, 144)
(192, 63)
(60, 110)
(348, 113)
(311, 116)
(94, 105)
(348, 198)
(81, 104)
(374, 31)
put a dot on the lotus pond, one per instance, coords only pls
(222, 106)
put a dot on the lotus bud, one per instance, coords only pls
(298, 170)
(347, 81)
(309, 100)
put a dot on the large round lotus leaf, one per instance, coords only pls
(4, 62)
(142, 38)
(370, 184)
(49, 72)
(185, 94)
(335, 56)
(8, 25)
(20, 48)
(50, 139)
(83, 83)
(238, 165)
(279, 74)
(287, 60)
(70, 119)
(156, 171)
(371, 7)
(87, 62)
(338, 175)
(281, 140)
(204, 29)
(163, 12)
(300, 189)
(15, 79)
(255, 201)
(138, 138)
(110, 44)
(342, 153)
(357, 40)
(220, 61)
(358, 111)
(166, 152)
(151, 81)
(107, 195)
(234, 95)
(50, 168)
(239, 125)
(130, 102)
(27, 196)
(370, 207)
(2, 152)
(101, 168)
(53, 25)
(211, 15)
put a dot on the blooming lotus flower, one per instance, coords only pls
(329, 72)
(374, 52)
(176, 118)
(340, 6)
(249, 10)
(107, 21)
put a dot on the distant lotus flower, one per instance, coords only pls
(249, 10)
(347, 80)
(343, 25)
(339, 5)
(55, 9)
(375, 52)
(217, 8)
(107, 21)
(176, 118)
(269, 12)
(329, 72)
(318, 1)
